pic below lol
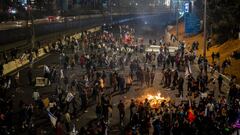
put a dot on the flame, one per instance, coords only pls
(155, 100)
(157, 97)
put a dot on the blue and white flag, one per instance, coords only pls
(53, 119)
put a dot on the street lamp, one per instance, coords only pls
(110, 4)
(177, 6)
(205, 35)
(32, 33)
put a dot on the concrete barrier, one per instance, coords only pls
(41, 52)
(24, 62)
(76, 36)
(9, 67)
(47, 48)
(18, 63)
(41, 82)
(34, 56)
(95, 29)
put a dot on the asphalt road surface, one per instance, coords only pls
(148, 29)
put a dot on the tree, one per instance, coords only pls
(224, 15)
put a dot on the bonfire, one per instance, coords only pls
(154, 100)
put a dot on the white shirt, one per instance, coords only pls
(36, 95)
(61, 74)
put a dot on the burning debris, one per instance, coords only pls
(154, 100)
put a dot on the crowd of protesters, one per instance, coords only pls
(103, 60)
(209, 116)
(72, 95)
(205, 109)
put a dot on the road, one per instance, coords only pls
(148, 29)
(9, 37)
(24, 92)
(47, 20)
(60, 19)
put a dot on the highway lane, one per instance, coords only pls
(47, 20)
(9, 37)
(147, 28)
(61, 19)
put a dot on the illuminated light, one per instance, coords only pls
(181, 13)
(12, 11)
(167, 2)
(58, 17)
(186, 7)
(136, 4)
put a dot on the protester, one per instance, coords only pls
(30, 76)
(67, 122)
(121, 109)
(152, 76)
(98, 111)
(128, 83)
(220, 82)
(213, 56)
(198, 111)
(180, 86)
(36, 97)
(1, 69)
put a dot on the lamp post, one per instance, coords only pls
(177, 18)
(205, 35)
(110, 4)
(32, 35)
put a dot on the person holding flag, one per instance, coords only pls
(191, 116)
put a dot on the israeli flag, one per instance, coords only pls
(53, 119)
